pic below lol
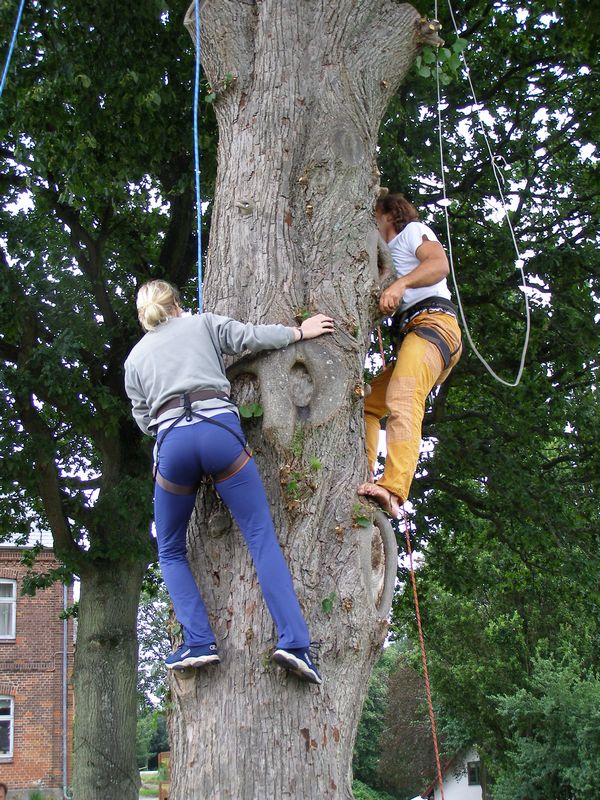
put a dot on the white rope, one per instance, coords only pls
(499, 177)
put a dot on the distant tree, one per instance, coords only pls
(407, 761)
(364, 792)
(367, 750)
(159, 743)
(146, 726)
(554, 734)
(155, 627)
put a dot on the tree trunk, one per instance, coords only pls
(301, 88)
(104, 680)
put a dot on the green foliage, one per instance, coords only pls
(145, 730)
(363, 792)
(151, 738)
(160, 740)
(297, 446)
(154, 623)
(292, 487)
(362, 515)
(300, 314)
(554, 726)
(327, 602)
(251, 410)
(447, 58)
(32, 581)
(370, 734)
(97, 196)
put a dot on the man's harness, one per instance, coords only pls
(431, 334)
(185, 401)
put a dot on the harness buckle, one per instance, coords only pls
(187, 406)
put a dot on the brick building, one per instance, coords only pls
(36, 700)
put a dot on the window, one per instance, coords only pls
(473, 773)
(8, 607)
(6, 726)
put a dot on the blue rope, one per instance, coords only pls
(197, 157)
(12, 47)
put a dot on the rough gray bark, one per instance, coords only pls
(301, 88)
(104, 681)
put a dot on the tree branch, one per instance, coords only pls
(88, 252)
(46, 471)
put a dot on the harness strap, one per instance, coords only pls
(436, 338)
(433, 303)
(173, 488)
(237, 464)
(177, 488)
(195, 395)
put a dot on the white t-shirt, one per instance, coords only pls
(403, 248)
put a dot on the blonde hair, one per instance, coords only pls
(156, 301)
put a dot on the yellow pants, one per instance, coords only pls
(400, 392)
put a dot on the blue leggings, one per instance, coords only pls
(186, 454)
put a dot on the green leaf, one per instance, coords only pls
(251, 410)
(85, 80)
(424, 72)
(459, 45)
(315, 463)
(327, 603)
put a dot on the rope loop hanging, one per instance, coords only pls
(495, 161)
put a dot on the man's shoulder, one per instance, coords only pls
(418, 228)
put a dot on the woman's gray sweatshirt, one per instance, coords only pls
(184, 354)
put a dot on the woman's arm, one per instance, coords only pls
(235, 337)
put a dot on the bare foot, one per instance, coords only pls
(382, 496)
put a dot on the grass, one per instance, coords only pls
(148, 777)
(150, 782)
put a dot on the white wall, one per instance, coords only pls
(456, 785)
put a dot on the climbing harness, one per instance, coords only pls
(398, 328)
(197, 153)
(494, 162)
(11, 47)
(430, 305)
(423, 654)
(185, 401)
(190, 397)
